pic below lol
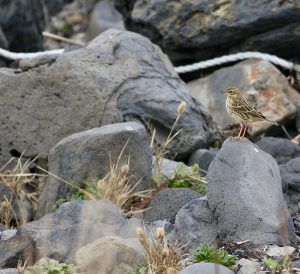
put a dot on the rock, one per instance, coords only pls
(3, 41)
(108, 255)
(279, 251)
(213, 28)
(75, 224)
(15, 247)
(245, 194)
(194, 224)
(281, 149)
(22, 24)
(206, 268)
(104, 16)
(248, 267)
(166, 203)
(262, 85)
(290, 174)
(203, 157)
(9, 271)
(168, 167)
(85, 155)
(118, 77)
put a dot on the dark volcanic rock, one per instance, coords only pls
(166, 203)
(290, 174)
(194, 224)
(22, 24)
(86, 155)
(190, 29)
(119, 76)
(245, 194)
(281, 149)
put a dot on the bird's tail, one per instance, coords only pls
(274, 123)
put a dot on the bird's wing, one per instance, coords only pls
(244, 109)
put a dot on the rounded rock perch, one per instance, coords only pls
(245, 196)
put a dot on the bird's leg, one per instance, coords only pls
(242, 126)
(245, 130)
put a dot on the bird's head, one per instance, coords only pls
(232, 92)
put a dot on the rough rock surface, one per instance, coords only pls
(281, 149)
(248, 267)
(203, 157)
(262, 85)
(166, 203)
(86, 155)
(206, 268)
(245, 194)
(108, 255)
(290, 174)
(15, 247)
(120, 76)
(21, 22)
(189, 29)
(194, 224)
(104, 16)
(75, 224)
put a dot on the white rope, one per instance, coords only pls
(17, 56)
(236, 57)
(182, 69)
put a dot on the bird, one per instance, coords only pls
(241, 111)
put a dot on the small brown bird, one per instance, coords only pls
(241, 111)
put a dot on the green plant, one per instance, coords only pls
(189, 178)
(277, 267)
(78, 195)
(50, 266)
(207, 253)
(272, 264)
(140, 268)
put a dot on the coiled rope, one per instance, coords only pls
(182, 69)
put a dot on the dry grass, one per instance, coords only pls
(161, 257)
(17, 179)
(161, 151)
(117, 187)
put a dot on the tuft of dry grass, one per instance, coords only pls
(17, 179)
(161, 151)
(161, 257)
(117, 187)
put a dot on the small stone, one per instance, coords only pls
(290, 174)
(206, 268)
(279, 251)
(248, 267)
(203, 157)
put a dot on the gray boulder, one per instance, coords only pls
(14, 247)
(281, 149)
(245, 194)
(212, 28)
(166, 203)
(85, 155)
(262, 85)
(75, 224)
(9, 271)
(194, 224)
(203, 157)
(290, 174)
(120, 76)
(206, 268)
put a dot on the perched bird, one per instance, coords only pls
(241, 111)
